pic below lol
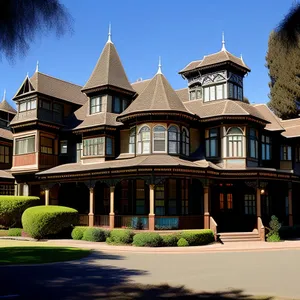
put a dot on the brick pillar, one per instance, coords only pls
(151, 208)
(47, 201)
(112, 208)
(291, 222)
(92, 208)
(206, 208)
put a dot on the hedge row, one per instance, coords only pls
(143, 239)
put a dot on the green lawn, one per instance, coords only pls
(39, 254)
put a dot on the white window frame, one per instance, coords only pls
(235, 148)
(100, 105)
(132, 144)
(177, 141)
(25, 138)
(159, 139)
(141, 141)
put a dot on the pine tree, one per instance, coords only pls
(284, 73)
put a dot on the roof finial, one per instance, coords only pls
(159, 66)
(109, 33)
(4, 95)
(223, 42)
(27, 75)
(37, 66)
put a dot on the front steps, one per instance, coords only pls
(227, 237)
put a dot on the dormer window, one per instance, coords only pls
(214, 92)
(95, 105)
(196, 93)
(27, 105)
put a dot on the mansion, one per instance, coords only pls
(145, 156)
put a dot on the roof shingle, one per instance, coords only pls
(6, 107)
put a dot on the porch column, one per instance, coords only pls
(291, 223)
(206, 208)
(92, 210)
(112, 208)
(258, 202)
(151, 209)
(47, 202)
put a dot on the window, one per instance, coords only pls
(196, 93)
(214, 92)
(286, 152)
(78, 151)
(235, 92)
(253, 143)
(64, 147)
(27, 105)
(265, 205)
(234, 142)
(109, 146)
(206, 94)
(132, 140)
(140, 197)
(240, 93)
(192, 95)
(46, 145)
(45, 104)
(185, 145)
(199, 93)
(4, 154)
(160, 200)
(159, 139)
(211, 143)
(220, 92)
(228, 204)
(173, 138)
(95, 105)
(57, 112)
(125, 104)
(6, 189)
(93, 147)
(250, 204)
(172, 197)
(25, 145)
(266, 147)
(221, 200)
(117, 105)
(144, 140)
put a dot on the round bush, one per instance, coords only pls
(182, 243)
(273, 238)
(14, 232)
(198, 237)
(94, 235)
(170, 240)
(43, 221)
(12, 208)
(121, 236)
(77, 232)
(147, 239)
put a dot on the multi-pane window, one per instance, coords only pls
(253, 143)
(117, 106)
(27, 105)
(132, 140)
(285, 152)
(78, 151)
(160, 200)
(185, 143)
(211, 142)
(57, 112)
(196, 93)
(140, 197)
(95, 105)
(159, 139)
(45, 104)
(25, 145)
(225, 201)
(266, 147)
(64, 147)
(173, 139)
(214, 92)
(235, 91)
(172, 197)
(250, 204)
(4, 154)
(46, 145)
(144, 140)
(7, 189)
(93, 146)
(234, 142)
(109, 146)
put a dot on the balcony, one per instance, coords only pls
(47, 160)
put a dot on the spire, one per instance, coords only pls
(159, 66)
(37, 66)
(109, 34)
(4, 95)
(223, 42)
(242, 57)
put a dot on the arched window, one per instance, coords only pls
(234, 142)
(132, 140)
(144, 140)
(185, 145)
(159, 139)
(173, 138)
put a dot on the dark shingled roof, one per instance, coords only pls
(5, 106)
(139, 86)
(108, 71)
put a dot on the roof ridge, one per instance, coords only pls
(59, 79)
(238, 104)
(181, 89)
(140, 81)
(165, 92)
(225, 107)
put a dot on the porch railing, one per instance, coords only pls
(101, 220)
(83, 220)
(213, 226)
(179, 222)
(134, 222)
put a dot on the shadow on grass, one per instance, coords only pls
(89, 278)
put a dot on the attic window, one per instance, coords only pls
(196, 93)
(95, 105)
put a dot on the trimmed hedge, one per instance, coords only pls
(14, 232)
(43, 221)
(12, 208)
(147, 239)
(120, 236)
(170, 240)
(94, 235)
(182, 243)
(77, 232)
(198, 237)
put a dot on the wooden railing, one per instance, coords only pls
(179, 222)
(47, 159)
(261, 229)
(134, 222)
(101, 220)
(213, 226)
(83, 220)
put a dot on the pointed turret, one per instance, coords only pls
(5, 106)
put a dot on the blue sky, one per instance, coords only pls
(178, 31)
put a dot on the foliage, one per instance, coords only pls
(273, 234)
(170, 240)
(77, 232)
(147, 239)
(14, 232)
(198, 237)
(182, 242)
(120, 236)
(284, 68)
(94, 235)
(246, 100)
(12, 208)
(41, 221)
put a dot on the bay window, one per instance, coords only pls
(234, 142)
(173, 139)
(132, 140)
(27, 105)
(253, 143)
(266, 147)
(93, 146)
(25, 145)
(46, 145)
(159, 139)
(185, 143)
(144, 140)
(211, 142)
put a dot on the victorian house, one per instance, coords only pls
(145, 156)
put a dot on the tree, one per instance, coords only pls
(246, 100)
(20, 20)
(284, 73)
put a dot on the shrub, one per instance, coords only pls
(273, 235)
(182, 243)
(94, 235)
(147, 239)
(3, 232)
(198, 237)
(12, 208)
(170, 240)
(14, 232)
(273, 238)
(120, 236)
(77, 232)
(43, 221)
